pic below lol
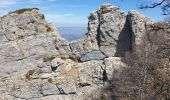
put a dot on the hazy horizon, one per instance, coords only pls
(72, 33)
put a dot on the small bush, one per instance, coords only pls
(48, 59)
(29, 74)
(49, 29)
(43, 17)
(50, 80)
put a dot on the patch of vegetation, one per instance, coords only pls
(43, 17)
(72, 58)
(50, 80)
(104, 9)
(29, 74)
(21, 11)
(49, 29)
(48, 59)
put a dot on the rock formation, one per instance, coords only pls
(37, 64)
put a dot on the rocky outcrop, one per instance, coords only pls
(108, 37)
(138, 24)
(112, 32)
(37, 64)
(94, 55)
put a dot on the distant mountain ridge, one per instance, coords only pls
(72, 33)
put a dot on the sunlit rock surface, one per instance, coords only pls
(38, 64)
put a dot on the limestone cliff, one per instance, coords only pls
(38, 64)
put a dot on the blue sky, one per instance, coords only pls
(74, 12)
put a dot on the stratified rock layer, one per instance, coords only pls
(37, 64)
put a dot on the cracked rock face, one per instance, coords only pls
(108, 37)
(38, 64)
(138, 23)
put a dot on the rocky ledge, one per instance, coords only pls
(38, 64)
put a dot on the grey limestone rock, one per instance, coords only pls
(29, 42)
(113, 64)
(112, 21)
(138, 24)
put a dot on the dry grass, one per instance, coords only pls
(147, 75)
(48, 59)
(68, 72)
(21, 11)
(48, 28)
